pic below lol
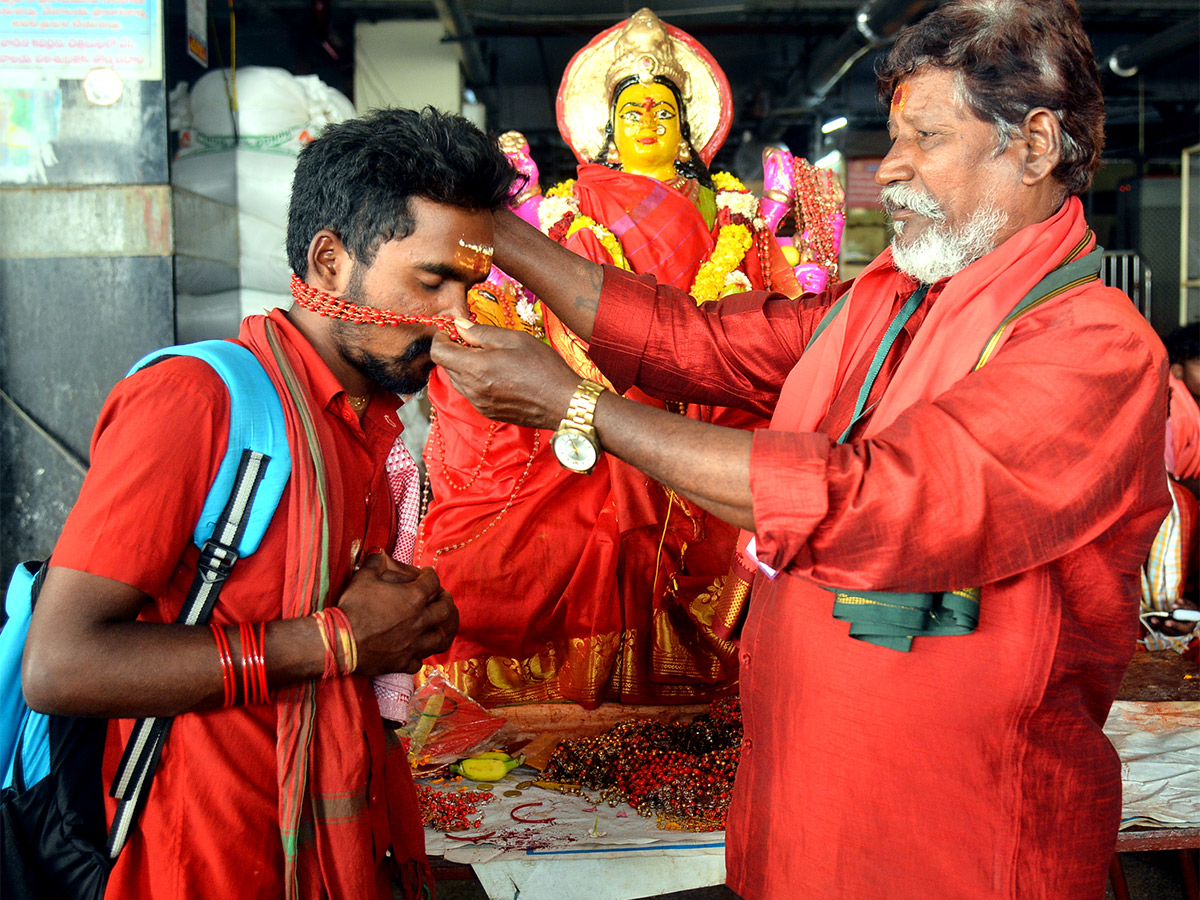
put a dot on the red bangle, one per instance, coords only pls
(228, 675)
(262, 662)
(247, 687)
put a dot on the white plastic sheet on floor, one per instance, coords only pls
(1159, 746)
(589, 851)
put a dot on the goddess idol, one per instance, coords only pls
(608, 585)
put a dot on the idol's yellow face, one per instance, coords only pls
(646, 130)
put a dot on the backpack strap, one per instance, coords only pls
(255, 422)
(24, 753)
(239, 507)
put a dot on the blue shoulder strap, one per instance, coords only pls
(255, 423)
(237, 511)
(18, 723)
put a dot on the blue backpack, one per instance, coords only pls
(51, 809)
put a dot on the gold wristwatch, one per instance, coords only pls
(575, 444)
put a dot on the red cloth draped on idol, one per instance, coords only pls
(608, 586)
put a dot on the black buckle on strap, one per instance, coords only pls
(216, 560)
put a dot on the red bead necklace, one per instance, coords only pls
(435, 434)
(681, 773)
(315, 300)
(817, 200)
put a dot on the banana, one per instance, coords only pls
(490, 766)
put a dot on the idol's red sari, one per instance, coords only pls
(583, 588)
(1183, 447)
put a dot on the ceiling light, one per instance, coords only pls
(834, 124)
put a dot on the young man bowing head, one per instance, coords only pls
(288, 787)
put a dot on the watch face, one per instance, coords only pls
(574, 450)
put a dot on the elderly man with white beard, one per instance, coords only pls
(945, 519)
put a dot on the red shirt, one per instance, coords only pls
(212, 816)
(972, 766)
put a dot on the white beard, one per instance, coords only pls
(941, 251)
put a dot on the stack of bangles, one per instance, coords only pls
(336, 634)
(253, 664)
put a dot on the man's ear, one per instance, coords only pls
(1043, 145)
(329, 262)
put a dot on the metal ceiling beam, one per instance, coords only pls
(876, 24)
(458, 25)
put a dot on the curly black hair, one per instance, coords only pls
(357, 177)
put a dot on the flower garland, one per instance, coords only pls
(607, 239)
(742, 227)
(727, 181)
(738, 211)
(560, 217)
(716, 276)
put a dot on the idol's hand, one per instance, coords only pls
(777, 173)
(507, 375)
(778, 185)
(526, 195)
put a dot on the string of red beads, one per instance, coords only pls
(323, 304)
(817, 193)
(681, 772)
(451, 810)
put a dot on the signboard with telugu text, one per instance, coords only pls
(67, 40)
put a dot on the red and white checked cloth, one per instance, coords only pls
(394, 691)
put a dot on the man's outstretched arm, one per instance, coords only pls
(515, 378)
(86, 655)
(565, 281)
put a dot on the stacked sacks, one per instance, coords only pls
(250, 166)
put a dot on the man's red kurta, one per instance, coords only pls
(972, 766)
(211, 824)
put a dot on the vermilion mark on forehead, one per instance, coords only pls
(900, 97)
(475, 257)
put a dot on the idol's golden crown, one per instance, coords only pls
(644, 50)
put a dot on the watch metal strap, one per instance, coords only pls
(582, 409)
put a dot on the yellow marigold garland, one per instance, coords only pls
(726, 181)
(717, 276)
(732, 243)
(607, 239)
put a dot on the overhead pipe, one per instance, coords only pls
(458, 24)
(876, 24)
(1126, 61)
